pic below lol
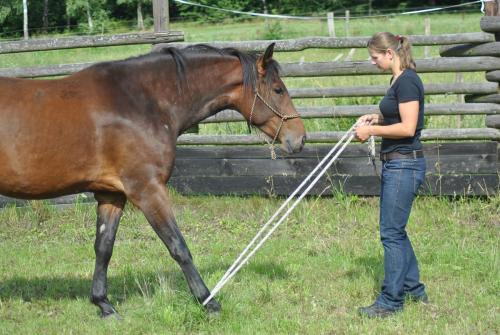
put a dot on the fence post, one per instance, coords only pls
(427, 32)
(25, 19)
(492, 8)
(160, 13)
(347, 14)
(459, 78)
(331, 24)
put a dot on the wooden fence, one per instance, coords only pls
(460, 161)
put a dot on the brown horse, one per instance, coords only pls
(111, 129)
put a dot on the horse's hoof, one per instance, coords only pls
(108, 311)
(111, 316)
(213, 307)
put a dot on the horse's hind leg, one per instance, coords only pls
(109, 210)
(156, 207)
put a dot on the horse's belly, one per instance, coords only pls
(33, 170)
(33, 185)
(44, 151)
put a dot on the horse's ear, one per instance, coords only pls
(263, 60)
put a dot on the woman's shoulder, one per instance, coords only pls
(410, 75)
(409, 84)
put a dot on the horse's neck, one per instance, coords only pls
(205, 91)
(208, 90)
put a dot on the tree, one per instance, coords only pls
(11, 16)
(93, 10)
(45, 18)
(4, 12)
(140, 21)
(25, 19)
(89, 16)
(138, 4)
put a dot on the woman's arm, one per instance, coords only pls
(406, 128)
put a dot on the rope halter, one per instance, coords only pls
(278, 113)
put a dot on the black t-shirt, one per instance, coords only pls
(407, 87)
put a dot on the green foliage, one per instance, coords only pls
(94, 11)
(132, 2)
(274, 31)
(68, 14)
(10, 9)
(4, 12)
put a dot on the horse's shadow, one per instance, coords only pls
(120, 286)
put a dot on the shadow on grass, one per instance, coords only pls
(120, 287)
(373, 266)
(271, 270)
(70, 287)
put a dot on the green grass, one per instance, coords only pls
(319, 266)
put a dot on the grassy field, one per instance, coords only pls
(310, 277)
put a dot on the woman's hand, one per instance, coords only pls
(363, 133)
(363, 129)
(369, 119)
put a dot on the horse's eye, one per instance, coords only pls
(278, 90)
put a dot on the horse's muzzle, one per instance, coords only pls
(293, 144)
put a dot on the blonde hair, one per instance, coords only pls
(380, 42)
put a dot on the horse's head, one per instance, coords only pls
(270, 108)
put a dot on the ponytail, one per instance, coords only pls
(404, 53)
(380, 42)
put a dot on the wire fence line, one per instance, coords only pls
(324, 17)
(350, 15)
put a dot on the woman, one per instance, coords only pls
(403, 169)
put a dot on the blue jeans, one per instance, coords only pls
(401, 179)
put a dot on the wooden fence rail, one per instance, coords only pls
(453, 169)
(433, 65)
(89, 41)
(493, 76)
(358, 110)
(367, 91)
(490, 24)
(470, 50)
(334, 136)
(173, 36)
(489, 98)
(342, 43)
(310, 69)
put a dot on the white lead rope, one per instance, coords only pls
(234, 268)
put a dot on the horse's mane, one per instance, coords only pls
(181, 59)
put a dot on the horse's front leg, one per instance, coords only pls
(155, 204)
(109, 210)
